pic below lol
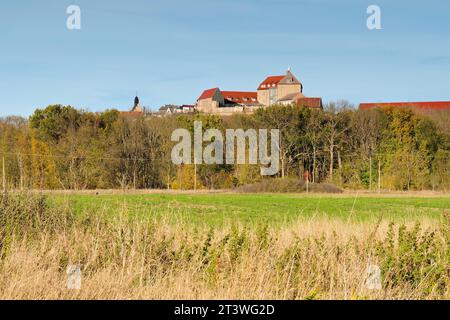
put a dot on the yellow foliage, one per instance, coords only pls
(185, 179)
(44, 173)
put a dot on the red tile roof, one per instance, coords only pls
(310, 102)
(208, 94)
(269, 82)
(240, 97)
(433, 105)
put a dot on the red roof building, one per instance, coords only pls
(310, 102)
(432, 105)
(270, 82)
(240, 97)
(284, 89)
(207, 94)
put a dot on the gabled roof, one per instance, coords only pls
(270, 82)
(273, 81)
(240, 97)
(432, 105)
(208, 94)
(299, 99)
(289, 78)
(310, 102)
(168, 108)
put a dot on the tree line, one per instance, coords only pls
(61, 147)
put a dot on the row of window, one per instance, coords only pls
(244, 99)
(268, 86)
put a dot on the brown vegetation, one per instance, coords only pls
(134, 258)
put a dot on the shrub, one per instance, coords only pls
(23, 213)
(414, 258)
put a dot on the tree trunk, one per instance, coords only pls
(134, 174)
(20, 162)
(314, 165)
(331, 161)
(339, 160)
(379, 176)
(4, 175)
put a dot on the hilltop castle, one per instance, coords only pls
(274, 90)
(284, 90)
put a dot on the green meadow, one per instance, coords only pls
(217, 209)
(167, 245)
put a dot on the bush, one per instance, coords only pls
(22, 214)
(409, 257)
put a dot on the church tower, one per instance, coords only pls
(137, 106)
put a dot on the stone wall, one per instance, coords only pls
(285, 89)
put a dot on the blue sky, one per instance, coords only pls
(170, 50)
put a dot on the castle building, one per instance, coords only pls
(282, 90)
(277, 88)
(216, 101)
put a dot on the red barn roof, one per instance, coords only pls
(270, 81)
(433, 105)
(208, 94)
(310, 102)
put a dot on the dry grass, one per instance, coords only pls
(134, 258)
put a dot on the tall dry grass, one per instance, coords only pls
(124, 257)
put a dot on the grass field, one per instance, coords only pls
(216, 209)
(224, 246)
